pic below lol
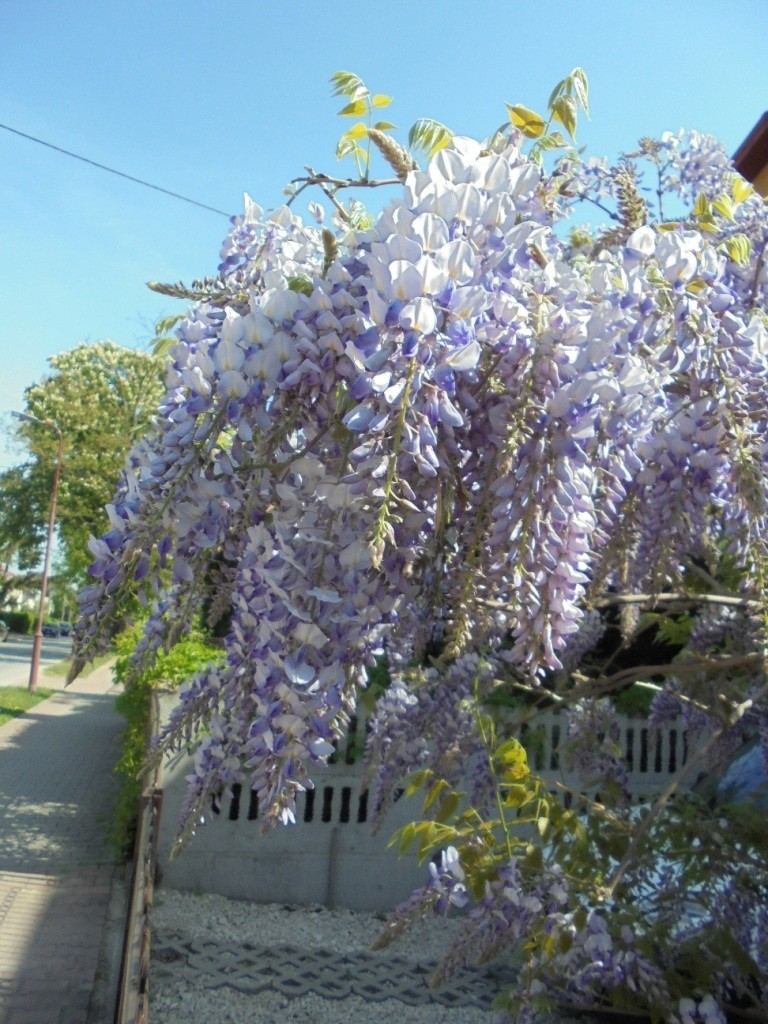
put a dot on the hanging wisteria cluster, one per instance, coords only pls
(457, 440)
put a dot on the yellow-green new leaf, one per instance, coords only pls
(429, 135)
(354, 109)
(723, 204)
(741, 189)
(358, 130)
(380, 100)
(561, 85)
(739, 249)
(564, 111)
(580, 84)
(516, 795)
(447, 808)
(708, 224)
(528, 121)
(344, 147)
(434, 793)
(346, 83)
(360, 153)
(701, 206)
(385, 126)
(511, 754)
(167, 323)
(433, 835)
(162, 344)
(416, 780)
(552, 140)
(403, 838)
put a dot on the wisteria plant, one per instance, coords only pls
(470, 439)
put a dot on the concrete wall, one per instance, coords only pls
(329, 856)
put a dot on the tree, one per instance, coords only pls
(103, 398)
(498, 456)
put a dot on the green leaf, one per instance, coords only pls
(385, 126)
(429, 135)
(380, 100)
(345, 83)
(403, 837)
(533, 856)
(676, 630)
(434, 793)
(416, 781)
(564, 111)
(354, 109)
(433, 834)
(301, 283)
(447, 808)
(530, 123)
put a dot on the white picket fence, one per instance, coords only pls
(329, 856)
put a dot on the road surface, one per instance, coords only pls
(16, 655)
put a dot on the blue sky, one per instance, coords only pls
(214, 99)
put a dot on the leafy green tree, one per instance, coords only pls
(102, 396)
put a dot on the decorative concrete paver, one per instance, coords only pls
(294, 972)
(56, 797)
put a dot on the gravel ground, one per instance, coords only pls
(180, 995)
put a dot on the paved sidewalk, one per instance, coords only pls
(57, 792)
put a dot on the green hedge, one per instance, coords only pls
(18, 622)
(169, 671)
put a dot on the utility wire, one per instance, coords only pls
(120, 174)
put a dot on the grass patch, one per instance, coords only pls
(15, 700)
(60, 668)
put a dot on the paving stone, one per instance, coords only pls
(294, 972)
(57, 792)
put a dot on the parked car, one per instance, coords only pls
(50, 629)
(65, 628)
(3, 631)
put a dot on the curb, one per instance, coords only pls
(104, 994)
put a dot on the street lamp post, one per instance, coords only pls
(37, 642)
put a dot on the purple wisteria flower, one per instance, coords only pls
(441, 440)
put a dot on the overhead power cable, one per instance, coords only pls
(111, 170)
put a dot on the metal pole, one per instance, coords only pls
(37, 642)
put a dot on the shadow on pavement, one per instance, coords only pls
(57, 795)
